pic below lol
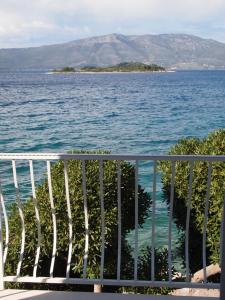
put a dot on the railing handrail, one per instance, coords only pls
(93, 156)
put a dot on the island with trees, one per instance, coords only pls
(125, 67)
(122, 67)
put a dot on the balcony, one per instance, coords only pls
(28, 177)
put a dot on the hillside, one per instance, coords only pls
(178, 51)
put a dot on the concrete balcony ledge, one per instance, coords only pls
(11, 294)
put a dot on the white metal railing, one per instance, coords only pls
(29, 159)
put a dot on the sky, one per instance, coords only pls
(27, 23)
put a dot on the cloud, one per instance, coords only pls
(185, 9)
(120, 9)
(30, 22)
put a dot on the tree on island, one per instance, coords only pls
(64, 70)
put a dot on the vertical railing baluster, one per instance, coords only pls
(102, 219)
(170, 220)
(37, 218)
(119, 218)
(6, 224)
(153, 222)
(188, 222)
(1, 245)
(69, 219)
(86, 247)
(221, 229)
(206, 220)
(222, 254)
(21, 218)
(53, 218)
(136, 223)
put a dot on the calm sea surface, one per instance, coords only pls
(132, 113)
(124, 113)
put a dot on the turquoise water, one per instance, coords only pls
(124, 113)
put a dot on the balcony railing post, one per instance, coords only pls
(222, 280)
(1, 251)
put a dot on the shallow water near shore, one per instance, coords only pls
(125, 113)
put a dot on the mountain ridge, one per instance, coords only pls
(177, 51)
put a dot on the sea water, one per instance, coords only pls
(124, 113)
(131, 113)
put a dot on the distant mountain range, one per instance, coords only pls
(178, 51)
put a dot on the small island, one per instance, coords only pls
(122, 67)
(125, 67)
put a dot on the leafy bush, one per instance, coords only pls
(213, 144)
(77, 208)
(144, 272)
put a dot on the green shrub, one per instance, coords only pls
(213, 144)
(144, 272)
(77, 203)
